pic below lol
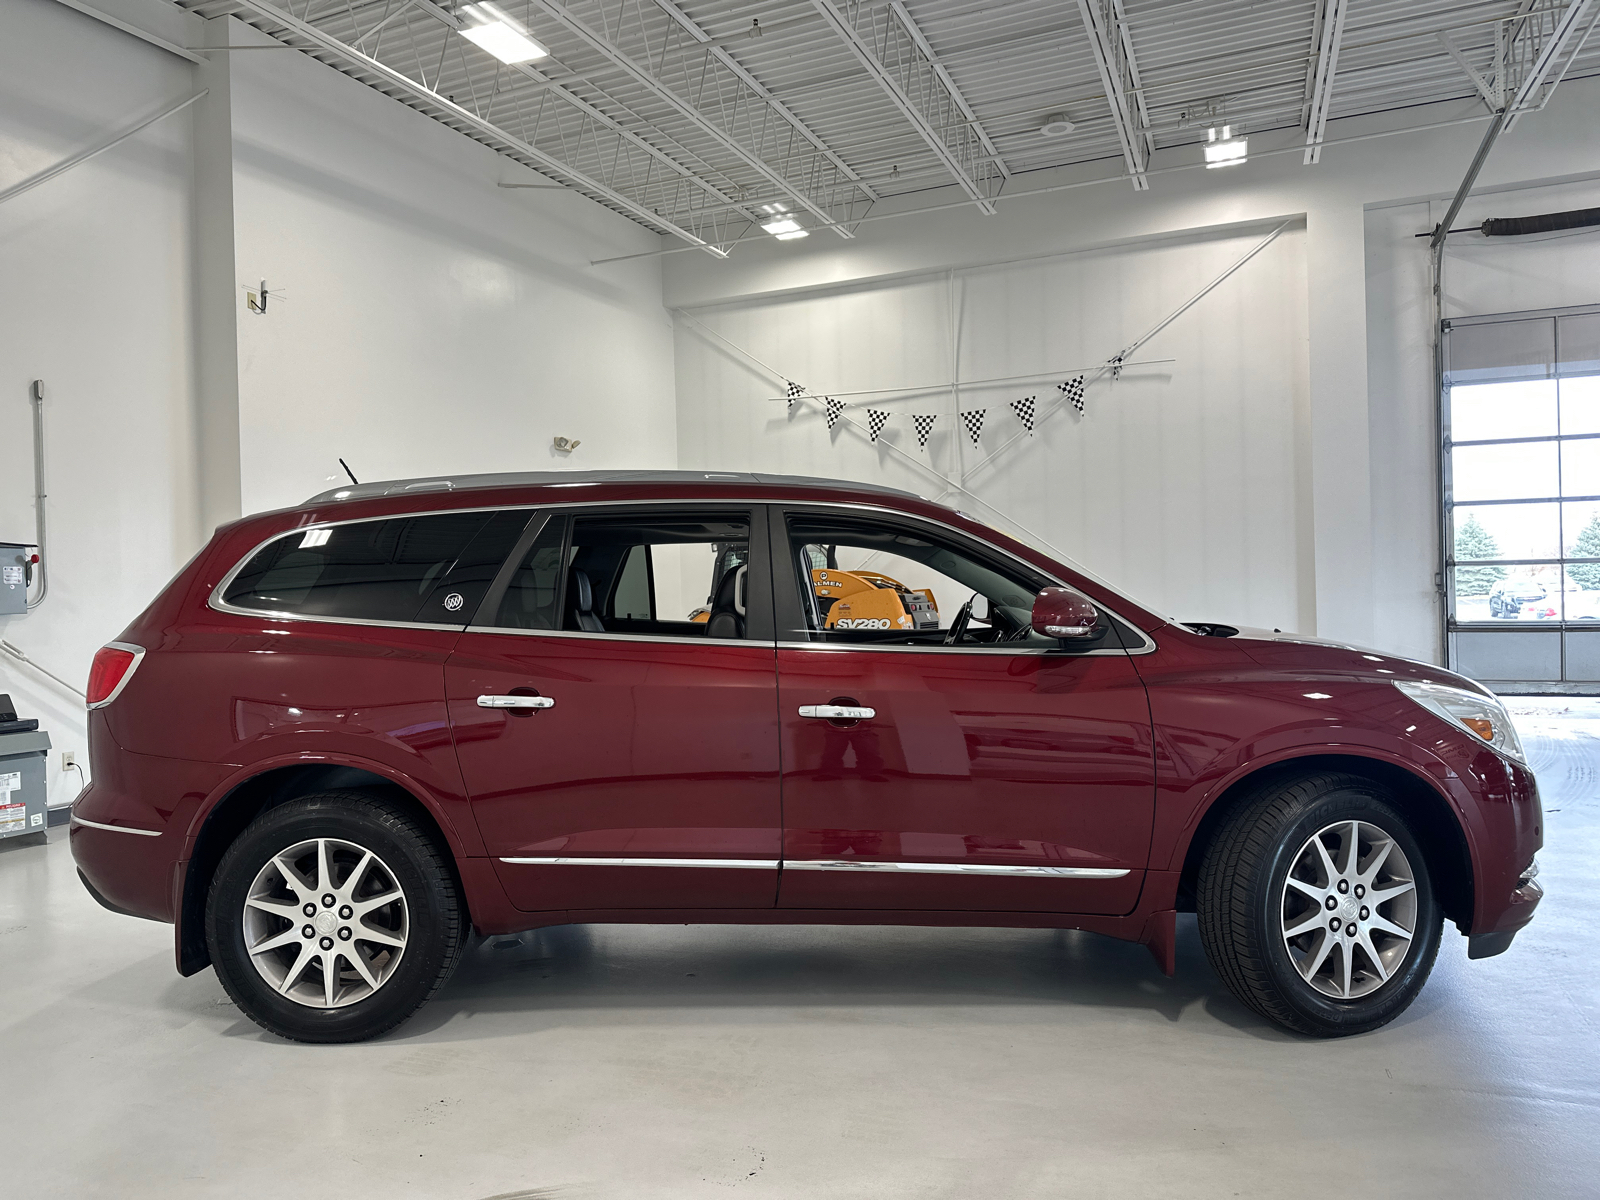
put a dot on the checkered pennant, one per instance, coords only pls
(973, 420)
(923, 422)
(835, 411)
(1072, 389)
(876, 417)
(791, 392)
(1024, 410)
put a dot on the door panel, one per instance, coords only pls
(652, 749)
(655, 748)
(973, 765)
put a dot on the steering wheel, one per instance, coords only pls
(958, 627)
(1020, 632)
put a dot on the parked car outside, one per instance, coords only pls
(1571, 603)
(1508, 595)
(351, 733)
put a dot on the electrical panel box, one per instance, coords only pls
(14, 558)
(22, 782)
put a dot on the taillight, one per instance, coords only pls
(113, 666)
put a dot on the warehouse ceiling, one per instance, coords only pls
(709, 119)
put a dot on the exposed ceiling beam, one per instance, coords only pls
(557, 87)
(727, 60)
(466, 116)
(1327, 34)
(971, 161)
(648, 80)
(1544, 36)
(1486, 91)
(1113, 57)
(949, 84)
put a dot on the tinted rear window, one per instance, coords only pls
(384, 570)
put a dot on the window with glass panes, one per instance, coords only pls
(1521, 475)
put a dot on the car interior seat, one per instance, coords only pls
(727, 605)
(580, 603)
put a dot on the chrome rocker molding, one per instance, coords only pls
(743, 864)
(115, 828)
(834, 864)
(921, 868)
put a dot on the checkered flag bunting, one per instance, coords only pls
(835, 411)
(876, 418)
(1024, 410)
(973, 420)
(791, 392)
(1072, 389)
(923, 422)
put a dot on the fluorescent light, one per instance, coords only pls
(781, 226)
(789, 237)
(315, 537)
(501, 36)
(1227, 150)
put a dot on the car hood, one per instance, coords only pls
(1326, 658)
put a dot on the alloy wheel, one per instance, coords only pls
(325, 923)
(1348, 909)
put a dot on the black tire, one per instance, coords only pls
(434, 919)
(1240, 898)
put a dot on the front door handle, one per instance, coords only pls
(837, 712)
(515, 702)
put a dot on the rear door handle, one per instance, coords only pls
(837, 712)
(515, 702)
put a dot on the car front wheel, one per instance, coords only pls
(333, 918)
(1316, 907)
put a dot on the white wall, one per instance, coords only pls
(94, 299)
(1365, 540)
(432, 322)
(1180, 481)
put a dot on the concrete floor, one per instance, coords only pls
(681, 1061)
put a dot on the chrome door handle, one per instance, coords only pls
(837, 712)
(515, 702)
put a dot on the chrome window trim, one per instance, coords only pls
(686, 640)
(138, 653)
(216, 602)
(115, 828)
(997, 648)
(738, 864)
(930, 868)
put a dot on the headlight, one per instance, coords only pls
(1481, 716)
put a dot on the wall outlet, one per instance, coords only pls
(69, 759)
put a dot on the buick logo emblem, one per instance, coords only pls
(452, 602)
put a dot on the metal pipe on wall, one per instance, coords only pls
(36, 393)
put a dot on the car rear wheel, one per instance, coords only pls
(1316, 907)
(333, 918)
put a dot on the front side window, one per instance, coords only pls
(660, 575)
(430, 569)
(867, 581)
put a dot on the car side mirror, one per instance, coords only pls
(1060, 612)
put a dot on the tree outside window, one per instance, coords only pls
(1474, 541)
(1587, 575)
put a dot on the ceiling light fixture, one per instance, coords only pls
(1056, 125)
(495, 31)
(1226, 147)
(782, 226)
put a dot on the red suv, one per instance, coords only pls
(348, 732)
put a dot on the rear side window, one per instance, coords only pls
(431, 569)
